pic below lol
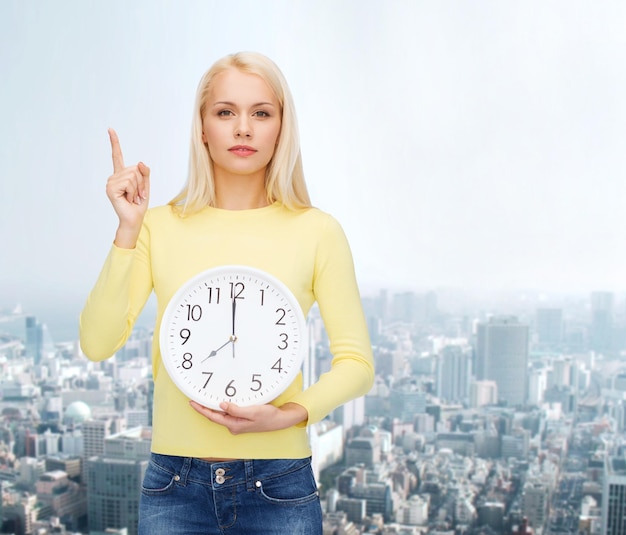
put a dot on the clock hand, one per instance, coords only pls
(234, 336)
(214, 352)
(234, 310)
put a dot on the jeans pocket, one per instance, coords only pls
(293, 488)
(157, 481)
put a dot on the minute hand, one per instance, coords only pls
(233, 337)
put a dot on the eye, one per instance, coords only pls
(261, 113)
(224, 113)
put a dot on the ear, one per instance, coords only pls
(203, 138)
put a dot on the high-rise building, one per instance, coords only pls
(614, 496)
(502, 356)
(535, 504)
(537, 384)
(34, 339)
(601, 321)
(549, 326)
(114, 480)
(454, 370)
(94, 434)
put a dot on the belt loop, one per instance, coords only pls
(249, 469)
(184, 470)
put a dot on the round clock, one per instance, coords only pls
(233, 333)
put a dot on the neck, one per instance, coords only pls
(240, 192)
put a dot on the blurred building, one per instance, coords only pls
(114, 480)
(614, 496)
(549, 327)
(454, 370)
(602, 305)
(502, 356)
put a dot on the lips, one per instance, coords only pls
(242, 150)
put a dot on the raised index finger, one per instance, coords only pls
(116, 151)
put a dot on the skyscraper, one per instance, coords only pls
(114, 480)
(601, 321)
(549, 326)
(34, 339)
(502, 356)
(614, 496)
(454, 370)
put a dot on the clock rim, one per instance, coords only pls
(221, 270)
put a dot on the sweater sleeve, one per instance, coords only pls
(116, 300)
(337, 294)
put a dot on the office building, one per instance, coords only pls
(614, 496)
(406, 400)
(602, 304)
(549, 327)
(535, 504)
(454, 370)
(483, 393)
(502, 356)
(114, 480)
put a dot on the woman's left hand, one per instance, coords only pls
(256, 419)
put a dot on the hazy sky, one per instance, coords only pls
(469, 144)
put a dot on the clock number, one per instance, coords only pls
(187, 364)
(215, 294)
(281, 312)
(283, 341)
(255, 380)
(210, 376)
(278, 365)
(236, 289)
(194, 312)
(185, 334)
(230, 390)
(262, 296)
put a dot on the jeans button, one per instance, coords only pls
(219, 479)
(220, 472)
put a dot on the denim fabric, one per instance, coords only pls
(187, 496)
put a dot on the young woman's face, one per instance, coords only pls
(241, 124)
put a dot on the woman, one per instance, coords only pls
(241, 469)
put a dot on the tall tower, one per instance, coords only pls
(502, 356)
(454, 370)
(549, 326)
(614, 496)
(34, 339)
(601, 321)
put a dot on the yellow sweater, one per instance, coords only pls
(305, 249)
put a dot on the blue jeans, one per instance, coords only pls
(187, 496)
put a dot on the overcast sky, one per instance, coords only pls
(472, 144)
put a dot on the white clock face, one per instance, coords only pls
(233, 333)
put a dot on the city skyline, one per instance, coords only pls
(436, 445)
(474, 146)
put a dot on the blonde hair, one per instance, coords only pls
(284, 180)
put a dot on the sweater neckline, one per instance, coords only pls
(249, 212)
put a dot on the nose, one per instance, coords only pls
(243, 128)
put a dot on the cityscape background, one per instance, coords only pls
(473, 152)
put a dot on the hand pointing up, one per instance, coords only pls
(128, 189)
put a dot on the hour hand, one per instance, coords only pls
(214, 352)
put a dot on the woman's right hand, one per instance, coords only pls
(128, 189)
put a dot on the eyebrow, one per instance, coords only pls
(228, 103)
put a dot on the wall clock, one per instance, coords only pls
(233, 333)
